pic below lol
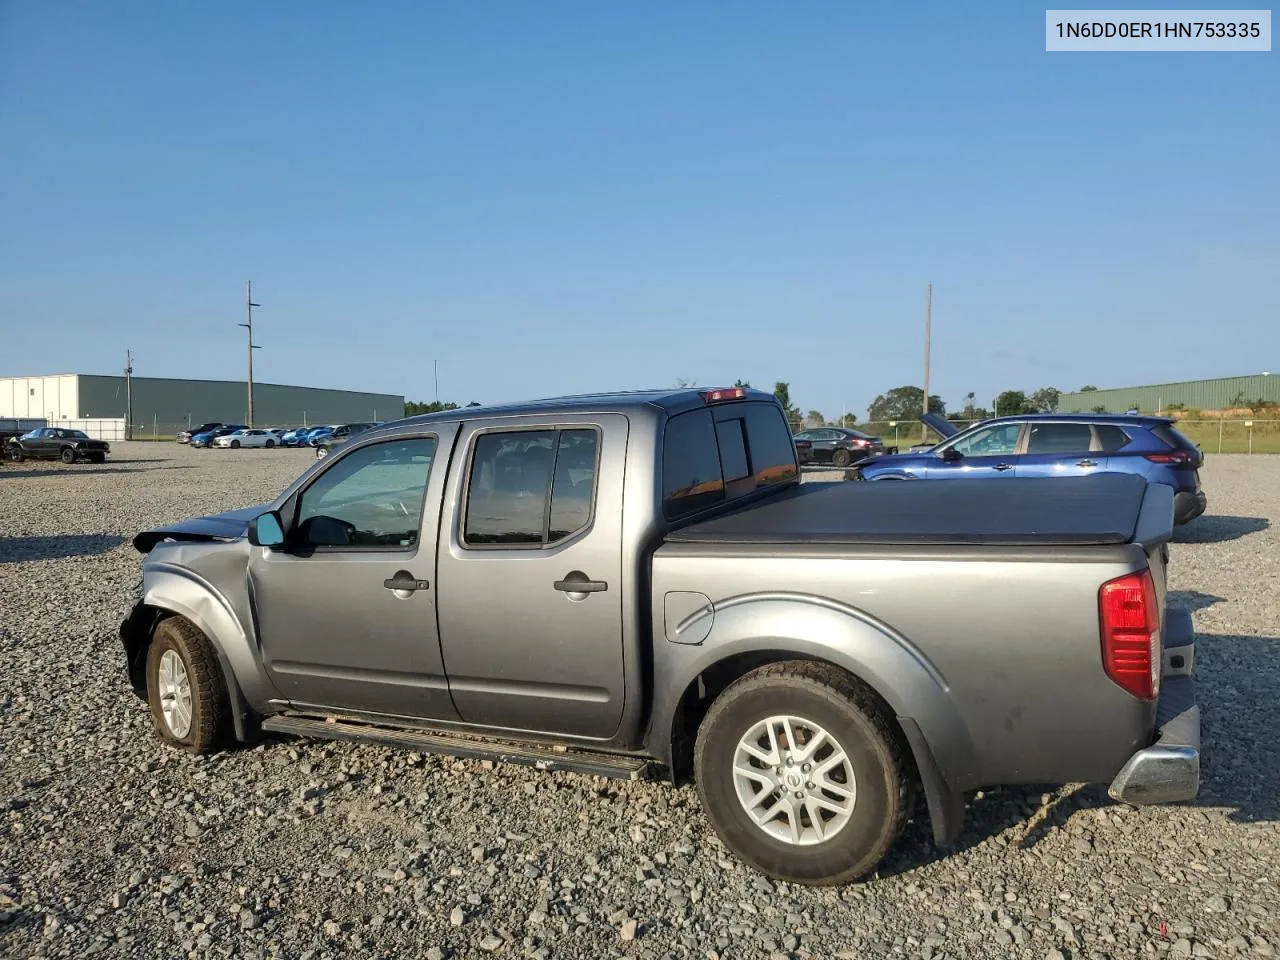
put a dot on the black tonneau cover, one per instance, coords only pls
(1101, 509)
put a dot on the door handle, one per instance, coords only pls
(573, 584)
(1004, 466)
(1087, 463)
(403, 580)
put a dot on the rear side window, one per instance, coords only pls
(749, 442)
(530, 488)
(1059, 438)
(691, 477)
(1170, 435)
(1111, 437)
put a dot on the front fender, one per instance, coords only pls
(171, 589)
(820, 629)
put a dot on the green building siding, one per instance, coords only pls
(169, 403)
(1219, 394)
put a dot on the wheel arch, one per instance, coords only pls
(174, 592)
(749, 633)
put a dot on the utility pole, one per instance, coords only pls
(128, 394)
(435, 366)
(248, 325)
(928, 336)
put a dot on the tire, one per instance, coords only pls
(270, 444)
(876, 767)
(17, 455)
(842, 458)
(235, 444)
(209, 708)
(68, 455)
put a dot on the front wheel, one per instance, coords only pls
(270, 444)
(803, 774)
(68, 455)
(235, 444)
(16, 454)
(185, 689)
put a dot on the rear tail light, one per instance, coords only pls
(1130, 626)
(803, 444)
(1179, 458)
(860, 443)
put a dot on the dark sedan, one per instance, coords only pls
(57, 443)
(839, 446)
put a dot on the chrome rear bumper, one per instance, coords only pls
(1169, 770)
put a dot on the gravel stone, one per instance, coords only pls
(113, 845)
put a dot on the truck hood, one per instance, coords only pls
(231, 525)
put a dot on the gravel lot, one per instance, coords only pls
(112, 844)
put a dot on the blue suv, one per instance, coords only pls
(1056, 445)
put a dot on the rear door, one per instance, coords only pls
(1060, 450)
(530, 574)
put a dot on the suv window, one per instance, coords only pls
(1174, 437)
(1111, 437)
(530, 487)
(370, 498)
(1001, 438)
(1059, 438)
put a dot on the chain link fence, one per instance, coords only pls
(1211, 435)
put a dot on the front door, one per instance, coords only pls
(1060, 450)
(988, 452)
(531, 584)
(346, 611)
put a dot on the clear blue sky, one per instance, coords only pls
(561, 197)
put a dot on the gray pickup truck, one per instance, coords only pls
(638, 585)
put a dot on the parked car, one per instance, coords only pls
(206, 439)
(247, 437)
(296, 436)
(685, 607)
(11, 427)
(1058, 445)
(57, 443)
(185, 436)
(326, 442)
(839, 446)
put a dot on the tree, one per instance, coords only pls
(683, 384)
(815, 418)
(1100, 408)
(968, 404)
(413, 408)
(782, 391)
(1012, 402)
(474, 403)
(1045, 400)
(903, 403)
(849, 421)
(745, 384)
(1088, 388)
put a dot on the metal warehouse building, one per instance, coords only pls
(98, 404)
(1220, 394)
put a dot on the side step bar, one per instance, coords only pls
(469, 748)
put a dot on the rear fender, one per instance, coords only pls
(818, 629)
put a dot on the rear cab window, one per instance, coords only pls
(722, 453)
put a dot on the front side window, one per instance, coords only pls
(530, 487)
(1059, 438)
(991, 441)
(370, 498)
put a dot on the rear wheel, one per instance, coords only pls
(68, 455)
(841, 458)
(270, 444)
(185, 689)
(803, 774)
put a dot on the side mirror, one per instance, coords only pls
(266, 531)
(951, 455)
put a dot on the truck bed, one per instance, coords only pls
(1068, 511)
